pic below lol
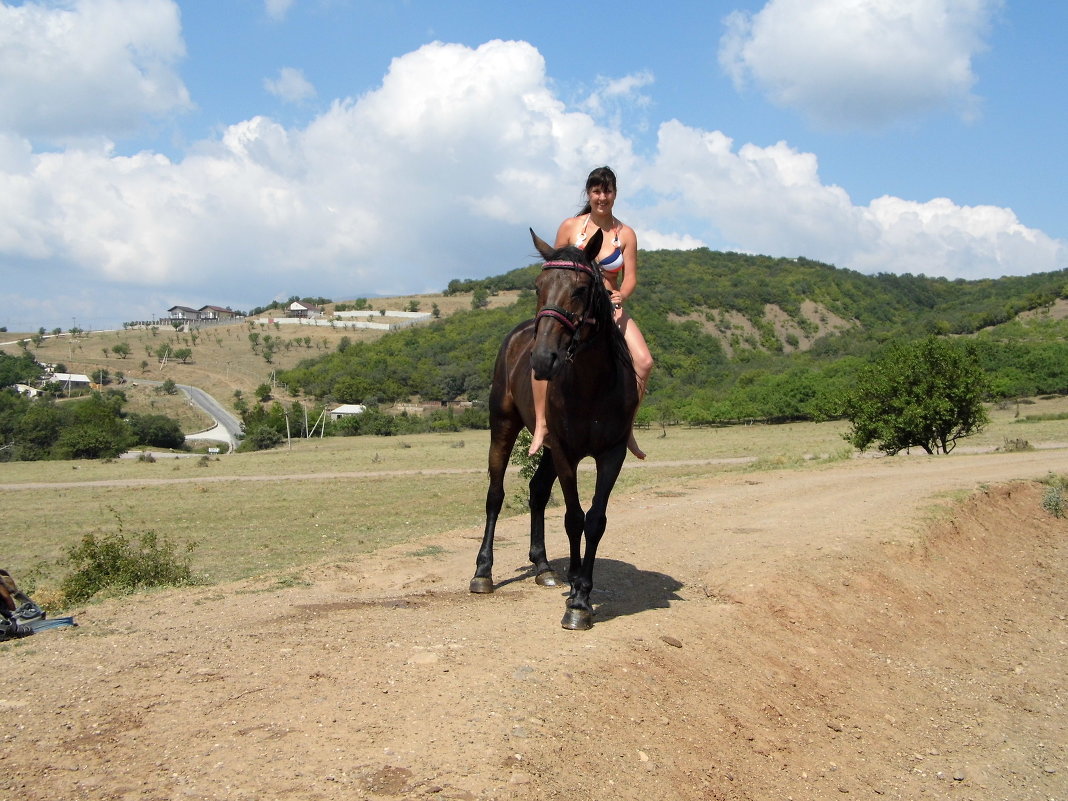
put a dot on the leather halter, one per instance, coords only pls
(571, 321)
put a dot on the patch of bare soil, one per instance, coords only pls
(842, 631)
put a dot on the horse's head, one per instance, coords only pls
(569, 287)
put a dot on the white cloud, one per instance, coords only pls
(290, 85)
(436, 175)
(771, 200)
(860, 63)
(88, 68)
(277, 9)
(614, 98)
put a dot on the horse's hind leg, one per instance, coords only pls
(541, 486)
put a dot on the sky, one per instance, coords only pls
(156, 153)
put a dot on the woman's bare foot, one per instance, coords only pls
(537, 440)
(632, 446)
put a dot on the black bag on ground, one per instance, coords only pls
(19, 615)
(19, 604)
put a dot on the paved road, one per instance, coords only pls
(227, 428)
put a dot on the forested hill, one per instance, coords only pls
(733, 335)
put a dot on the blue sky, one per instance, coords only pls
(155, 153)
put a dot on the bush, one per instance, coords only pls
(260, 438)
(113, 563)
(156, 430)
(1054, 501)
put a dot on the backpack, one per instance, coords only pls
(19, 615)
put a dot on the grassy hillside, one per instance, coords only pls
(733, 335)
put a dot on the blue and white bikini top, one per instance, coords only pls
(613, 262)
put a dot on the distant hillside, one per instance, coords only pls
(734, 336)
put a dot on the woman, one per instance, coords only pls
(618, 261)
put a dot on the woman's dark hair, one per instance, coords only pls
(602, 178)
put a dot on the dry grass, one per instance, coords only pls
(262, 513)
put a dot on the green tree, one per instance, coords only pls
(156, 430)
(121, 349)
(927, 393)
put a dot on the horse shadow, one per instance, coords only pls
(621, 590)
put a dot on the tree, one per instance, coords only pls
(121, 349)
(156, 430)
(927, 393)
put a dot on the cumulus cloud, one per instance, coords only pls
(277, 9)
(436, 174)
(89, 68)
(290, 85)
(862, 63)
(612, 98)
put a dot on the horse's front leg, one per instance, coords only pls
(579, 614)
(574, 525)
(541, 487)
(501, 443)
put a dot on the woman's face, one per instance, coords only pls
(601, 199)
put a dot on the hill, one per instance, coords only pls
(735, 336)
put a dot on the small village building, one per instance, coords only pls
(216, 313)
(183, 313)
(299, 308)
(347, 410)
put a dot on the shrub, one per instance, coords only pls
(114, 563)
(156, 430)
(1054, 501)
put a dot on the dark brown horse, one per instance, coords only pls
(574, 343)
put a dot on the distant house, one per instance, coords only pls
(183, 313)
(299, 308)
(347, 410)
(68, 381)
(216, 313)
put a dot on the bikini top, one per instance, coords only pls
(613, 262)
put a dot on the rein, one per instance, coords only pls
(572, 322)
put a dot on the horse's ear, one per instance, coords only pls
(593, 247)
(541, 245)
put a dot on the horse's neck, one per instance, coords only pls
(598, 357)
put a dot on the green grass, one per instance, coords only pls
(272, 513)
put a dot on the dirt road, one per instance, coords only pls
(830, 632)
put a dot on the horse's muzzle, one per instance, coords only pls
(545, 363)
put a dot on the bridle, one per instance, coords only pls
(571, 321)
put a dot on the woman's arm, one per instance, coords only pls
(563, 234)
(628, 240)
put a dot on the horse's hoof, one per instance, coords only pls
(481, 584)
(577, 620)
(547, 578)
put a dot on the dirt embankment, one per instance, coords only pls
(822, 633)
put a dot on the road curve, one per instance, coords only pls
(227, 428)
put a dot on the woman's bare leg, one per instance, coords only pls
(643, 366)
(541, 429)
